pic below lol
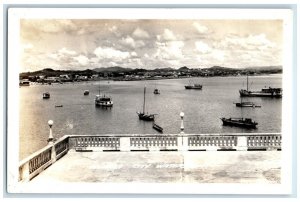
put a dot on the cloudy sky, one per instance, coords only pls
(82, 44)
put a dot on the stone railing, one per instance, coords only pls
(40, 160)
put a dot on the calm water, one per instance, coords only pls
(202, 108)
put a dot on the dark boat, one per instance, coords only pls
(246, 104)
(24, 82)
(145, 116)
(193, 86)
(157, 127)
(86, 92)
(46, 95)
(156, 91)
(239, 122)
(265, 92)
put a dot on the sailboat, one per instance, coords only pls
(145, 116)
(265, 92)
(103, 100)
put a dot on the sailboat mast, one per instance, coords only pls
(144, 99)
(247, 82)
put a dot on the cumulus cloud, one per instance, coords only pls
(110, 53)
(168, 35)
(131, 43)
(82, 60)
(140, 33)
(202, 47)
(65, 51)
(200, 28)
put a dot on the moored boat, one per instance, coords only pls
(24, 82)
(239, 122)
(157, 127)
(86, 92)
(195, 86)
(46, 95)
(103, 101)
(156, 91)
(145, 116)
(246, 104)
(264, 92)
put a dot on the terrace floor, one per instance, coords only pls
(249, 167)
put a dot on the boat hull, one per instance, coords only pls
(245, 93)
(157, 127)
(145, 117)
(238, 123)
(110, 104)
(193, 87)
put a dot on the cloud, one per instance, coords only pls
(168, 35)
(168, 53)
(202, 47)
(82, 60)
(110, 53)
(140, 33)
(130, 42)
(251, 42)
(65, 51)
(200, 28)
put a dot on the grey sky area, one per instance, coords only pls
(81, 44)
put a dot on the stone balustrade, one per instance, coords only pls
(40, 160)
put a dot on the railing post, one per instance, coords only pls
(242, 143)
(53, 154)
(24, 172)
(124, 143)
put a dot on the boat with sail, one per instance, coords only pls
(195, 86)
(264, 92)
(103, 100)
(145, 116)
(239, 122)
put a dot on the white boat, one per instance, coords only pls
(103, 100)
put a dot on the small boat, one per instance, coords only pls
(145, 116)
(239, 122)
(24, 82)
(46, 95)
(264, 92)
(86, 92)
(58, 106)
(246, 104)
(193, 86)
(156, 91)
(103, 100)
(157, 127)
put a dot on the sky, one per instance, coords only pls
(69, 44)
